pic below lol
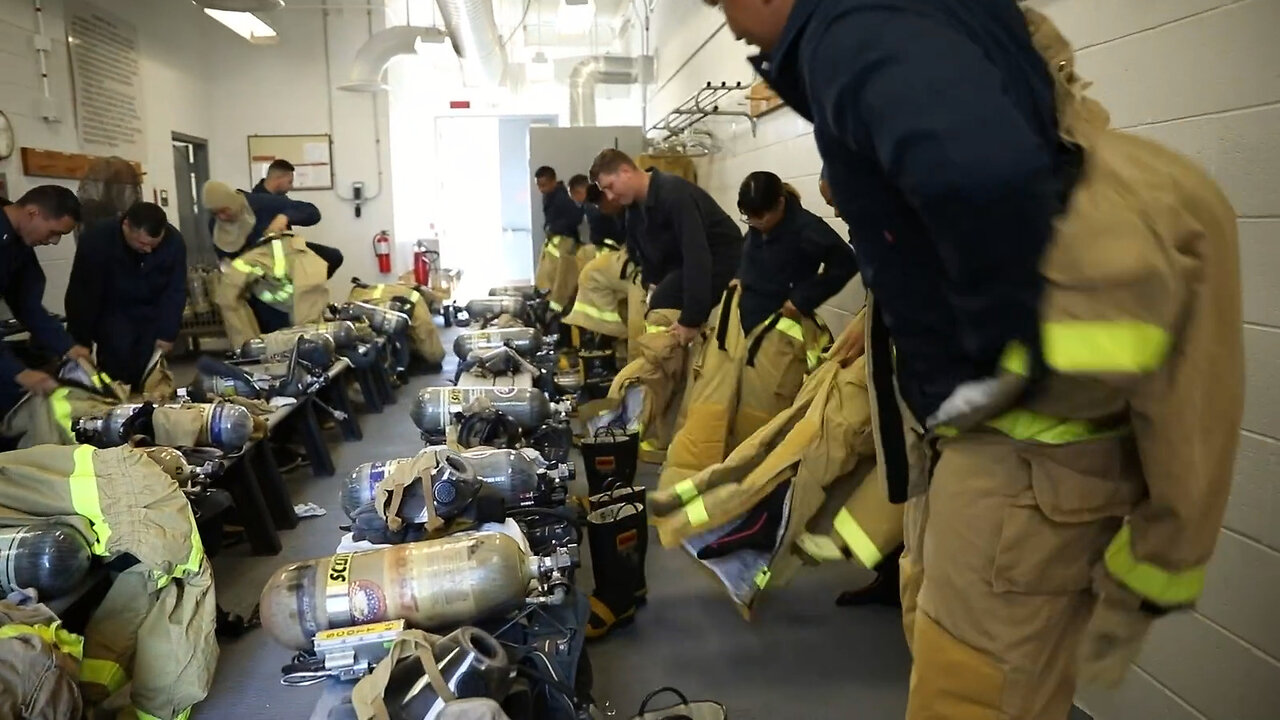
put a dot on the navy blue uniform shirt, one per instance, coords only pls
(679, 229)
(108, 278)
(784, 265)
(22, 287)
(561, 214)
(936, 122)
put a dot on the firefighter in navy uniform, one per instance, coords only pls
(278, 182)
(40, 217)
(128, 290)
(557, 267)
(1053, 338)
(688, 248)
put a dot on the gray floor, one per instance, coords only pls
(801, 657)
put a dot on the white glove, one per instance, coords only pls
(976, 401)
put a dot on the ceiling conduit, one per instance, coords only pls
(380, 48)
(606, 69)
(474, 33)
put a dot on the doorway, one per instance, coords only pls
(190, 173)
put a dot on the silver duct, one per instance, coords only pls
(380, 49)
(475, 37)
(607, 69)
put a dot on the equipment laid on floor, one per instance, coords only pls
(525, 341)
(486, 310)
(221, 425)
(435, 407)
(522, 476)
(432, 584)
(48, 557)
(500, 367)
(525, 292)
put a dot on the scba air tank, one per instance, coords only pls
(52, 559)
(223, 425)
(434, 408)
(524, 292)
(490, 308)
(511, 472)
(525, 341)
(432, 585)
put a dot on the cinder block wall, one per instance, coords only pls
(1202, 76)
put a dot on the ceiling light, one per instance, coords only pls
(575, 17)
(246, 25)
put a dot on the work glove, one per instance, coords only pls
(1114, 635)
(977, 401)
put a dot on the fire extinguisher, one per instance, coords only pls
(382, 248)
(421, 264)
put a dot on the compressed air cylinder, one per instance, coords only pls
(511, 472)
(525, 341)
(53, 559)
(225, 426)
(434, 407)
(382, 320)
(485, 309)
(318, 347)
(432, 585)
(524, 292)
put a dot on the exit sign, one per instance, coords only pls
(459, 104)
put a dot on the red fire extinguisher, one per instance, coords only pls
(421, 264)
(382, 248)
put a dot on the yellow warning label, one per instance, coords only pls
(340, 569)
(455, 396)
(371, 629)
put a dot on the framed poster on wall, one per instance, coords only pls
(310, 155)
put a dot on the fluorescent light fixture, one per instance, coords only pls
(246, 25)
(575, 17)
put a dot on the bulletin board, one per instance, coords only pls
(311, 156)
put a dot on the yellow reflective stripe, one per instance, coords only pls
(596, 312)
(762, 577)
(819, 547)
(83, 485)
(194, 559)
(813, 356)
(857, 540)
(52, 634)
(555, 305)
(103, 672)
(414, 297)
(61, 408)
(1022, 424)
(787, 326)
(1095, 346)
(278, 267)
(377, 291)
(552, 246)
(245, 267)
(1166, 588)
(655, 328)
(694, 506)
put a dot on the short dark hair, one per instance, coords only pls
(54, 201)
(761, 191)
(594, 194)
(578, 181)
(280, 165)
(147, 217)
(546, 171)
(609, 161)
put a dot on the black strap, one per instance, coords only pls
(892, 431)
(644, 704)
(726, 308)
(755, 344)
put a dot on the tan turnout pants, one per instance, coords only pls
(997, 571)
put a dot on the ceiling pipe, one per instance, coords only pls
(606, 69)
(474, 33)
(380, 48)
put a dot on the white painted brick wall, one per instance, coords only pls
(1203, 77)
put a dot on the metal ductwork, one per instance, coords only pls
(380, 48)
(607, 69)
(474, 33)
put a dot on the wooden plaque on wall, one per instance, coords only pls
(762, 100)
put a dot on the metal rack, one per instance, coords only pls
(707, 101)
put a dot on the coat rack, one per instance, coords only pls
(710, 100)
